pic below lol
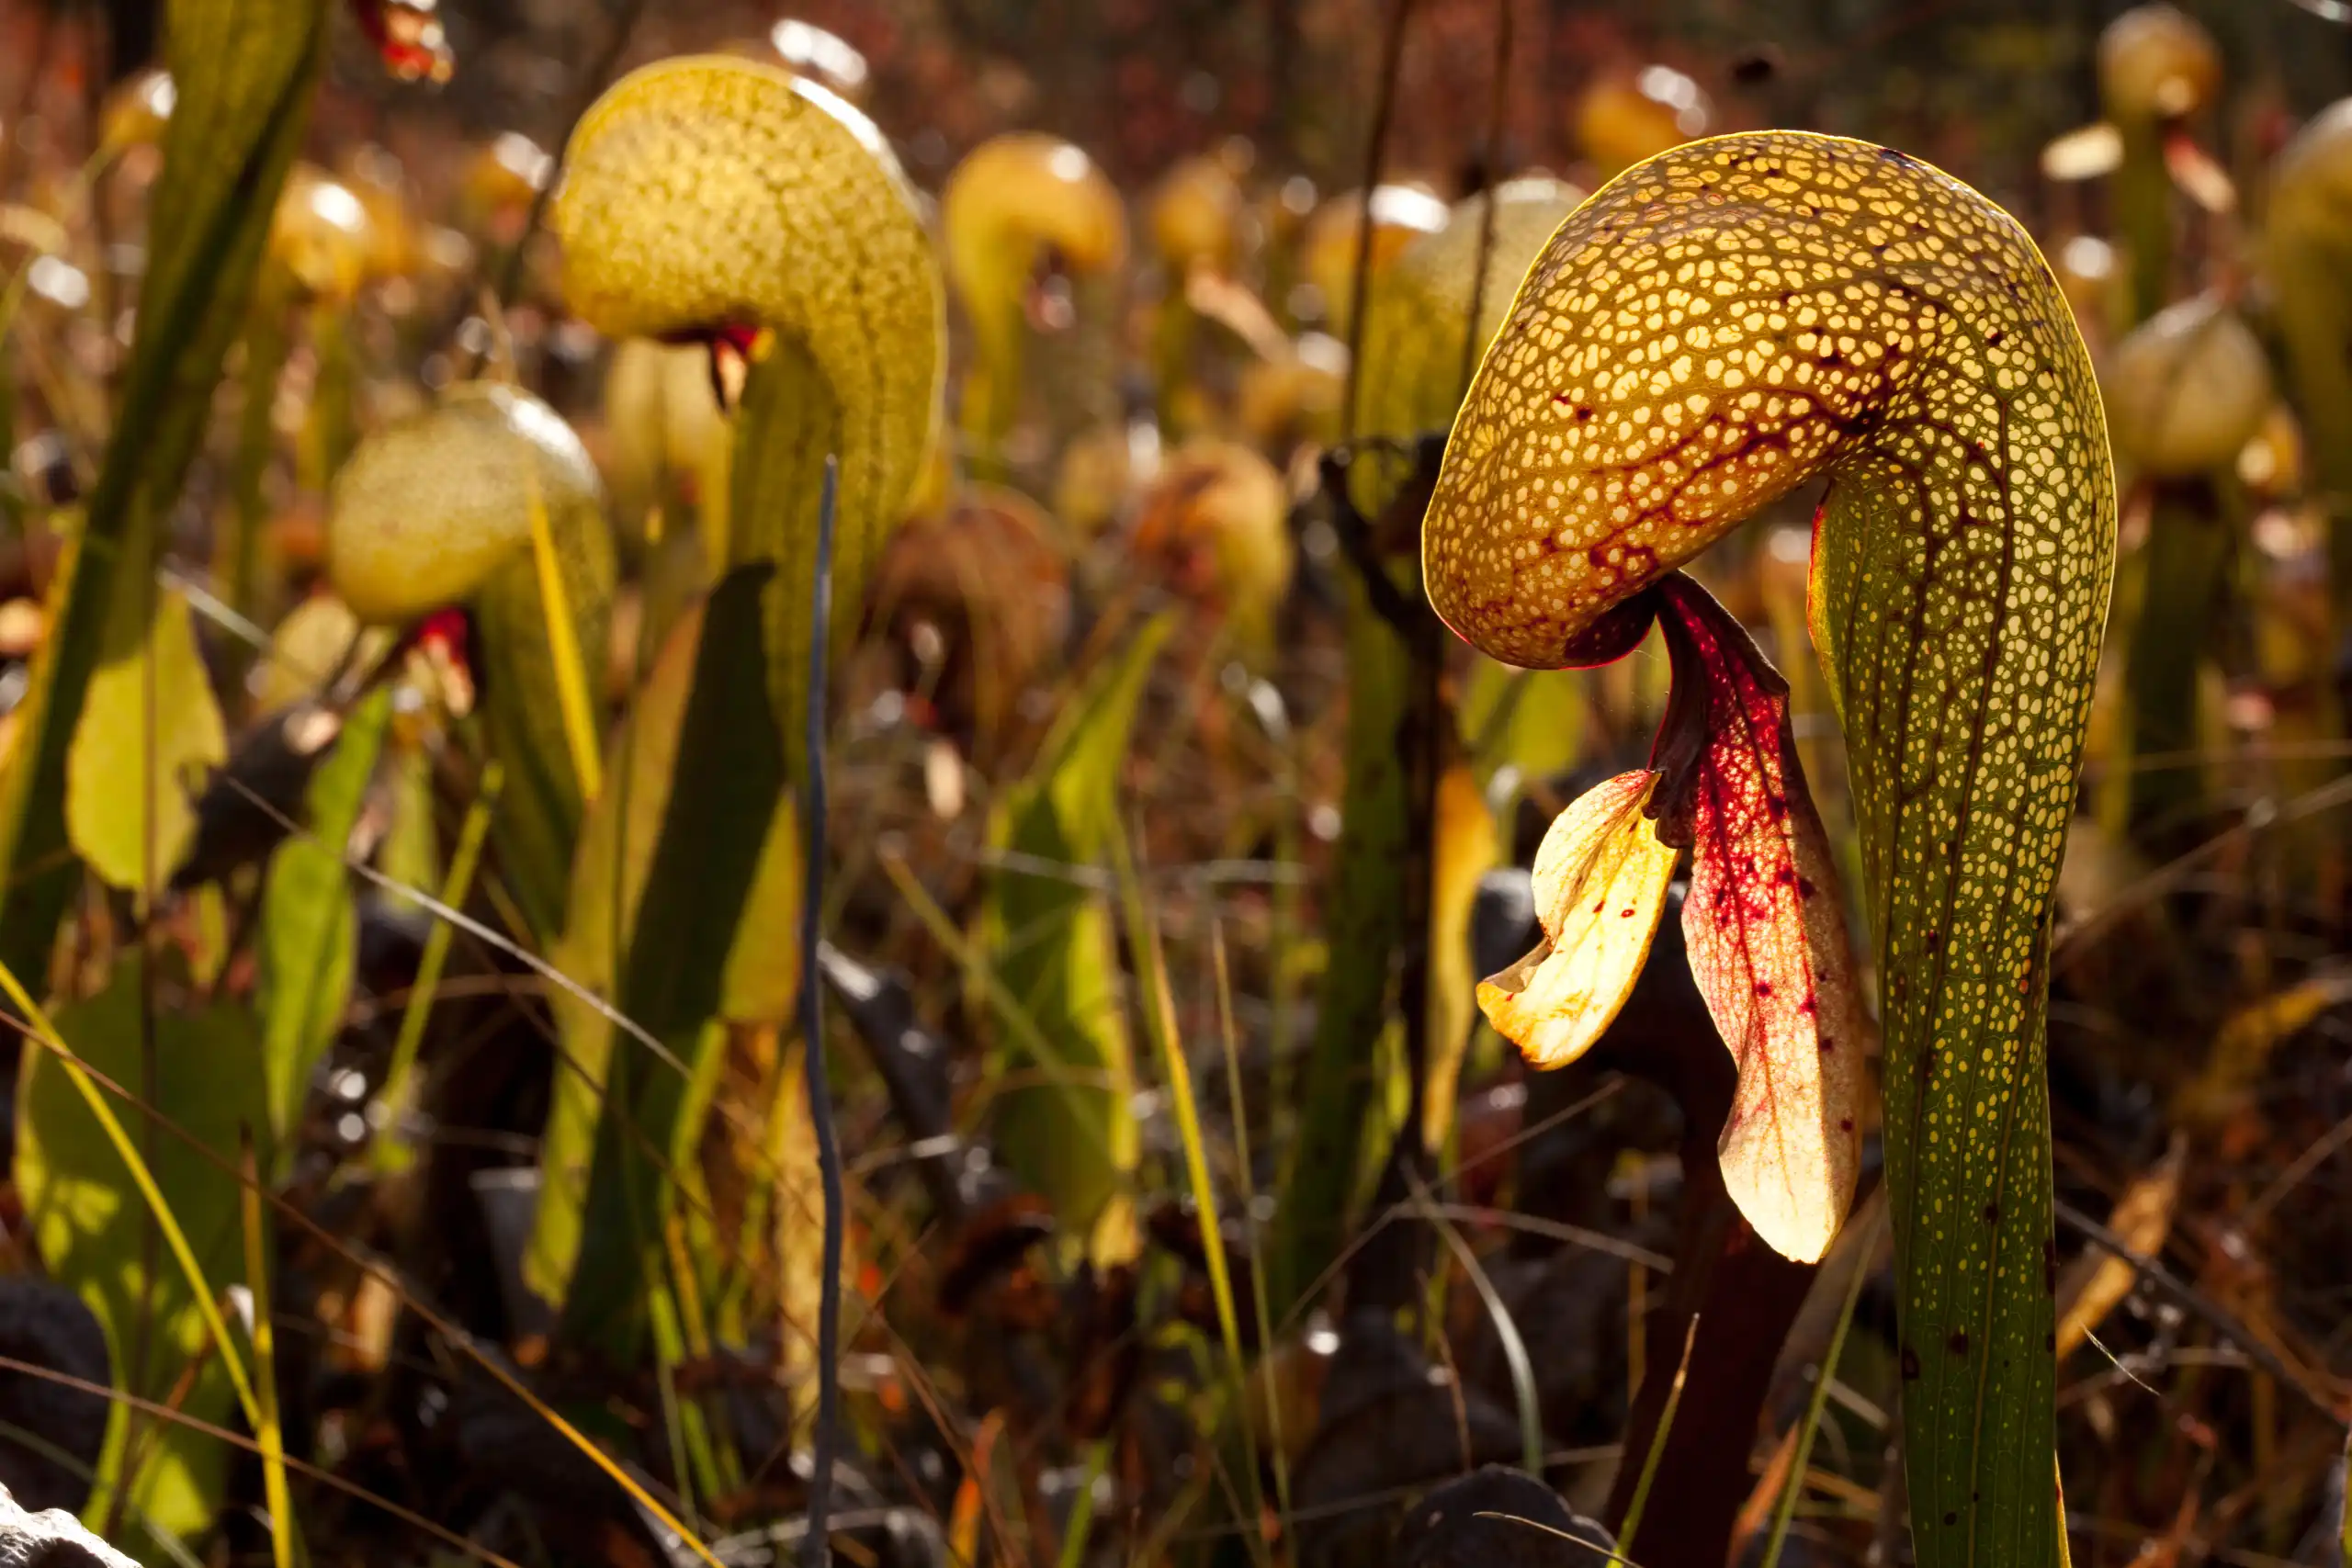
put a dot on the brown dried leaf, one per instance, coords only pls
(2096, 1282)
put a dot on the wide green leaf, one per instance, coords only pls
(246, 70)
(676, 924)
(148, 722)
(1066, 1126)
(91, 1227)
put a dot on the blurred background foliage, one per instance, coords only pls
(343, 565)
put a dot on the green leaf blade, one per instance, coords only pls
(116, 766)
(90, 1223)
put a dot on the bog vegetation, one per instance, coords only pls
(808, 823)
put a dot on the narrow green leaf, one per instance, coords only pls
(394, 1155)
(2183, 584)
(309, 920)
(285, 1529)
(246, 70)
(1167, 1046)
(1363, 923)
(89, 1221)
(1051, 941)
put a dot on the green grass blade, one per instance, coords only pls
(392, 1154)
(1639, 1505)
(1160, 1025)
(1528, 1402)
(574, 705)
(1258, 1301)
(1865, 1250)
(269, 1431)
(1082, 1509)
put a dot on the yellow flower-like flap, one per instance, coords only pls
(1601, 881)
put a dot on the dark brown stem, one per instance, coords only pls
(1497, 112)
(510, 271)
(1403, 615)
(1743, 1295)
(1383, 110)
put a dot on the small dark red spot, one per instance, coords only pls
(1763, 987)
(1810, 1006)
(1950, 1517)
(1827, 1045)
(1845, 1123)
(1958, 1343)
(1992, 1213)
(1627, 914)
(444, 630)
(1910, 1364)
(1804, 887)
(1598, 907)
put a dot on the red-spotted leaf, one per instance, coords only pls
(1765, 926)
(1601, 881)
